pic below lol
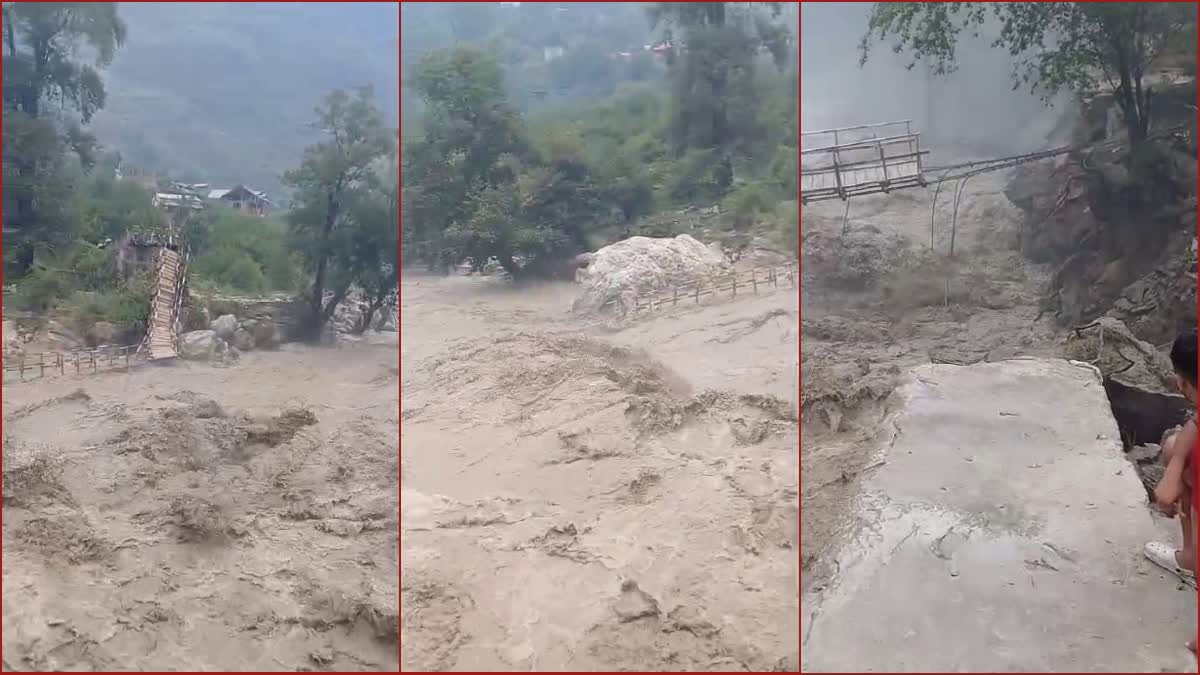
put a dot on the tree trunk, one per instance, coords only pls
(509, 265)
(319, 316)
(1129, 96)
(23, 261)
(317, 300)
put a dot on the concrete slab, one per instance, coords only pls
(1003, 532)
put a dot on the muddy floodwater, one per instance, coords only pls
(580, 495)
(191, 516)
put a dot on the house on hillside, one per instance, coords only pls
(244, 199)
(189, 188)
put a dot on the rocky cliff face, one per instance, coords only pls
(1119, 226)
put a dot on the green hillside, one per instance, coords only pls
(224, 92)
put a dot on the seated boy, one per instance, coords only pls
(1176, 491)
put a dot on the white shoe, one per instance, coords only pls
(1163, 555)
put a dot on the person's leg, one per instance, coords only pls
(1193, 525)
(1186, 556)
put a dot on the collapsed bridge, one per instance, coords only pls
(861, 160)
(877, 158)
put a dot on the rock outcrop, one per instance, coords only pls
(619, 272)
(205, 345)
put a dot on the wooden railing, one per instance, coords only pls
(78, 361)
(180, 284)
(744, 284)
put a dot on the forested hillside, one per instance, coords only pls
(223, 92)
(537, 131)
(602, 45)
(276, 96)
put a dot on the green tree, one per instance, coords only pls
(469, 121)
(1057, 45)
(714, 98)
(39, 192)
(42, 44)
(472, 141)
(110, 209)
(375, 240)
(331, 171)
(241, 252)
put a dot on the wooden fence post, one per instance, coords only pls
(22, 365)
(697, 292)
(674, 296)
(77, 362)
(735, 284)
(62, 369)
(42, 365)
(754, 280)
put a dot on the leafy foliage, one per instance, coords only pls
(714, 88)
(1057, 45)
(242, 253)
(70, 210)
(482, 182)
(41, 60)
(41, 63)
(477, 187)
(333, 174)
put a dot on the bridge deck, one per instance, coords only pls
(164, 306)
(853, 161)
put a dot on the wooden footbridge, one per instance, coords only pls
(878, 158)
(162, 330)
(160, 342)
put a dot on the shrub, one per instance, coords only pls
(127, 306)
(40, 290)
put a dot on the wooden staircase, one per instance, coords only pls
(161, 340)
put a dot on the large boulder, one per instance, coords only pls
(349, 313)
(1119, 355)
(263, 331)
(200, 345)
(242, 339)
(619, 272)
(225, 326)
(195, 317)
(387, 319)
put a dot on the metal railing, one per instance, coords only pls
(852, 161)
